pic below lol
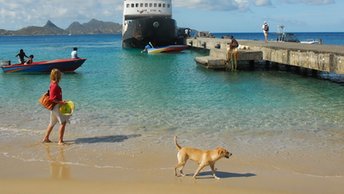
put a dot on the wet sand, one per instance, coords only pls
(134, 167)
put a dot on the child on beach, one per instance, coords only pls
(55, 95)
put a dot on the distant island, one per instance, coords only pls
(92, 27)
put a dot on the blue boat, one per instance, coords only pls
(64, 65)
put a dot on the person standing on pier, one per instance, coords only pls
(265, 29)
(232, 53)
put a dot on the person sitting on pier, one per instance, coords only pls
(232, 53)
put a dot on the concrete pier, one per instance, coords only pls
(218, 50)
(326, 58)
(217, 58)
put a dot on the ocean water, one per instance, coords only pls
(124, 92)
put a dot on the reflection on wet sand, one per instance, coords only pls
(58, 167)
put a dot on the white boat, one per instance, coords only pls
(311, 41)
(167, 49)
(290, 37)
(287, 37)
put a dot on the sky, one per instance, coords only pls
(202, 15)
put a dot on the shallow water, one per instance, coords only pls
(123, 93)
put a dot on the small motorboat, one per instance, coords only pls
(167, 49)
(64, 65)
(311, 41)
(287, 37)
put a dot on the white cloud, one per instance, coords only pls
(311, 2)
(243, 5)
(221, 5)
(21, 13)
(262, 2)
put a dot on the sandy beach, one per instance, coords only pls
(123, 164)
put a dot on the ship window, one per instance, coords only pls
(141, 4)
(137, 5)
(163, 5)
(155, 4)
(168, 5)
(146, 4)
(150, 5)
(128, 5)
(159, 4)
(132, 5)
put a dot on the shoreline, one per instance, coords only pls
(149, 168)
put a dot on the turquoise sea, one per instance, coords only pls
(123, 92)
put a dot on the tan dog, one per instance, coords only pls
(202, 157)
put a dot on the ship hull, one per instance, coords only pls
(160, 31)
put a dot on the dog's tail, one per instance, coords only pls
(177, 145)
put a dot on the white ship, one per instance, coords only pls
(147, 21)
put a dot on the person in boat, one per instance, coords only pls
(74, 53)
(21, 56)
(148, 46)
(55, 95)
(232, 53)
(30, 60)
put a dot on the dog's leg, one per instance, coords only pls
(200, 167)
(181, 171)
(175, 171)
(182, 159)
(212, 166)
(182, 164)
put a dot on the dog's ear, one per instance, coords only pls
(220, 151)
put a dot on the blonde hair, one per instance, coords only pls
(55, 75)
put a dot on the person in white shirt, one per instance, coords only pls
(265, 29)
(74, 53)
